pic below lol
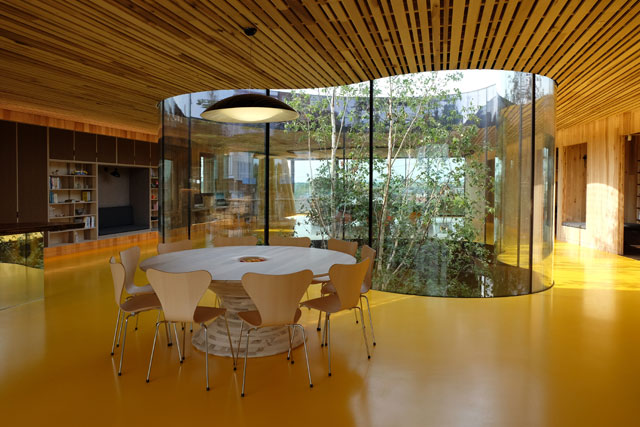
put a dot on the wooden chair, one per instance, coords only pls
(276, 298)
(300, 242)
(347, 280)
(235, 241)
(131, 306)
(179, 294)
(366, 252)
(349, 248)
(182, 245)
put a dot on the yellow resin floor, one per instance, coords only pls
(566, 357)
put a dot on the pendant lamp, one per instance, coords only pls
(250, 107)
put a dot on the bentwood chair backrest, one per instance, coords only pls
(367, 252)
(129, 259)
(343, 246)
(235, 241)
(277, 296)
(182, 245)
(300, 242)
(347, 279)
(118, 275)
(179, 293)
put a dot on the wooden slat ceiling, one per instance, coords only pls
(111, 61)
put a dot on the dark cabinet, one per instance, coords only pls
(125, 151)
(32, 173)
(60, 144)
(8, 169)
(142, 153)
(85, 147)
(106, 149)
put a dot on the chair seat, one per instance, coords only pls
(328, 288)
(328, 304)
(253, 317)
(140, 290)
(140, 303)
(204, 314)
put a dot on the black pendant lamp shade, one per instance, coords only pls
(250, 108)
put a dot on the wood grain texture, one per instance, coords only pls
(110, 61)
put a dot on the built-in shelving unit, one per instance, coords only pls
(72, 199)
(154, 185)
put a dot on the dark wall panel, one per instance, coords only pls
(106, 149)
(155, 154)
(125, 151)
(9, 203)
(60, 144)
(85, 147)
(32, 173)
(143, 155)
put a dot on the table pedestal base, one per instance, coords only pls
(262, 342)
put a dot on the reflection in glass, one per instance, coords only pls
(462, 183)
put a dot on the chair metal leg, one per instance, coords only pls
(120, 329)
(370, 320)
(230, 343)
(137, 318)
(291, 338)
(191, 330)
(306, 355)
(324, 334)
(167, 331)
(244, 371)
(356, 314)
(180, 358)
(239, 341)
(184, 345)
(206, 351)
(364, 333)
(319, 320)
(115, 331)
(327, 329)
(153, 349)
(124, 341)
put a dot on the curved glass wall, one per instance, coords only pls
(452, 185)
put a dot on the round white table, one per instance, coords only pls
(227, 270)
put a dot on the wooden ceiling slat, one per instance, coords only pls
(112, 60)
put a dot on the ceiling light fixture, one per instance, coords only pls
(250, 107)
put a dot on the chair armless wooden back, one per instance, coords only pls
(347, 279)
(179, 293)
(367, 252)
(277, 296)
(343, 246)
(118, 275)
(300, 242)
(235, 241)
(182, 245)
(129, 259)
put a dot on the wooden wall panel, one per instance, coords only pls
(155, 154)
(575, 190)
(32, 173)
(126, 149)
(142, 153)
(60, 144)
(606, 156)
(8, 164)
(106, 149)
(85, 147)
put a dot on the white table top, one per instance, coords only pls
(223, 263)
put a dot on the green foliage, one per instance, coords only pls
(427, 169)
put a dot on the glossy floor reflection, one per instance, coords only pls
(565, 357)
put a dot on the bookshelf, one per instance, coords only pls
(154, 185)
(72, 188)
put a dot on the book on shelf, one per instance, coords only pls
(54, 183)
(86, 196)
(89, 222)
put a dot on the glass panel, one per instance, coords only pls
(227, 174)
(543, 196)
(319, 170)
